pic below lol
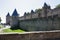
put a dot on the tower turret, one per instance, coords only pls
(45, 10)
(45, 5)
(32, 12)
(8, 14)
(8, 19)
(15, 13)
(25, 15)
(15, 19)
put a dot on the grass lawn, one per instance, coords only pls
(9, 30)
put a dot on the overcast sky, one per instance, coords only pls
(23, 6)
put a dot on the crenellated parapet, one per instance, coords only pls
(37, 20)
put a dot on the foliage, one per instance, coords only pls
(9, 30)
(58, 6)
(0, 19)
(38, 10)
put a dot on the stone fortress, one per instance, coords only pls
(45, 19)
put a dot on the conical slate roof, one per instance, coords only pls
(15, 13)
(8, 14)
(45, 5)
(32, 11)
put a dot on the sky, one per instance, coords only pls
(23, 6)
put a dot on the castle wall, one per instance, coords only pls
(51, 22)
(30, 16)
(46, 19)
(21, 18)
(56, 11)
(40, 24)
(50, 12)
(35, 15)
(42, 13)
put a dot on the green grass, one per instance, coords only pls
(9, 30)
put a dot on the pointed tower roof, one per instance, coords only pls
(32, 11)
(25, 13)
(15, 13)
(8, 14)
(45, 5)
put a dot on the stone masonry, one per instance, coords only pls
(46, 19)
(43, 35)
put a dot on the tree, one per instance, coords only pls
(58, 6)
(0, 19)
(38, 10)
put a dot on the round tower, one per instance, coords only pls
(45, 10)
(32, 12)
(14, 19)
(24, 15)
(8, 19)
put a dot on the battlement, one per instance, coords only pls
(41, 14)
(41, 19)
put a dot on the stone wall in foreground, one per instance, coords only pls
(32, 36)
